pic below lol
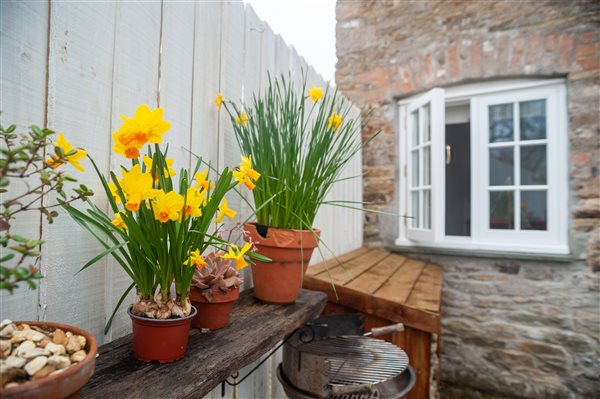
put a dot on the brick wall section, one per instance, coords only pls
(388, 50)
(529, 329)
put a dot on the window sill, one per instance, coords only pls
(481, 253)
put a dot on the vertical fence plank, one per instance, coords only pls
(205, 115)
(135, 82)
(232, 77)
(267, 55)
(79, 103)
(176, 70)
(23, 58)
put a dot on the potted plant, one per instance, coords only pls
(157, 231)
(300, 143)
(215, 288)
(37, 358)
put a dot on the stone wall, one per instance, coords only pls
(530, 329)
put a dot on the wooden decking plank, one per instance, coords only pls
(332, 263)
(427, 291)
(352, 269)
(372, 279)
(399, 286)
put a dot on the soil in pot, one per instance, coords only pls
(213, 314)
(160, 340)
(280, 281)
(52, 360)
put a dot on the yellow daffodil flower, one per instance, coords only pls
(73, 159)
(242, 119)
(193, 201)
(238, 255)
(114, 193)
(246, 175)
(219, 100)
(195, 259)
(118, 221)
(200, 178)
(335, 121)
(225, 211)
(167, 206)
(168, 171)
(146, 126)
(315, 93)
(137, 187)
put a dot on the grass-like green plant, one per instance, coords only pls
(300, 140)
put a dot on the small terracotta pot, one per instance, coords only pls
(214, 314)
(290, 250)
(65, 385)
(161, 340)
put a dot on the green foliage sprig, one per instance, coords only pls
(22, 160)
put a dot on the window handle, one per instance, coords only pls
(448, 154)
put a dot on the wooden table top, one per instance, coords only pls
(383, 284)
(254, 328)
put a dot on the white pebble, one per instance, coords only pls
(36, 365)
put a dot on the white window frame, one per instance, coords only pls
(480, 96)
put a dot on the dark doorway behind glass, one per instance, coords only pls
(458, 172)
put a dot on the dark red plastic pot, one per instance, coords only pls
(161, 340)
(65, 385)
(214, 314)
(280, 280)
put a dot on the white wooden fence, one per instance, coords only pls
(75, 66)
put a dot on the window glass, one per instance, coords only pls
(426, 124)
(532, 120)
(502, 210)
(415, 168)
(502, 166)
(534, 210)
(415, 128)
(415, 209)
(533, 164)
(426, 209)
(426, 166)
(501, 123)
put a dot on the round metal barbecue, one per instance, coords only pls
(319, 365)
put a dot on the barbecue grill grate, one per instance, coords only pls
(358, 360)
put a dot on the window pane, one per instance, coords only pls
(534, 210)
(501, 123)
(426, 124)
(502, 166)
(415, 168)
(502, 210)
(427, 209)
(415, 128)
(426, 166)
(532, 120)
(415, 209)
(533, 164)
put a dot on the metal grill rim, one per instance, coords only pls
(355, 360)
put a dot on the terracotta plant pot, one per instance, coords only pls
(67, 384)
(280, 281)
(214, 314)
(161, 340)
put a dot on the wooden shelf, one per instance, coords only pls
(383, 284)
(211, 357)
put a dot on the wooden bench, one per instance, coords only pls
(386, 288)
(211, 357)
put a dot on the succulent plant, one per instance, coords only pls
(218, 274)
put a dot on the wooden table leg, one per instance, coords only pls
(418, 346)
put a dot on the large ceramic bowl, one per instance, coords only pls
(67, 384)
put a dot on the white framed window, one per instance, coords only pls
(485, 167)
